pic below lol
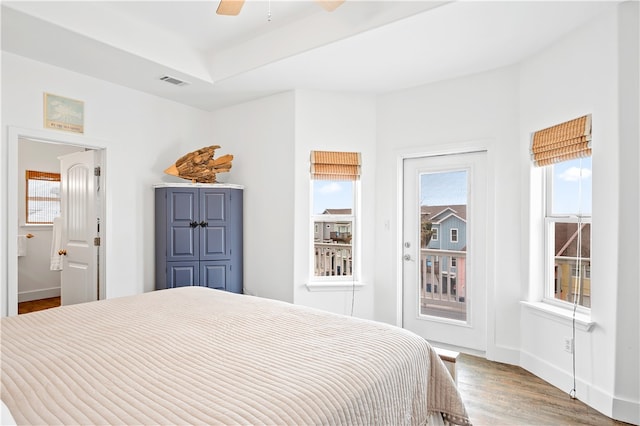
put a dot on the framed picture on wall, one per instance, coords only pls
(62, 113)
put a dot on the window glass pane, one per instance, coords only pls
(443, 208)
(572, 262)
(572, 187)
(43, 200)
(334, 195)
(333, 236)
(333, 249)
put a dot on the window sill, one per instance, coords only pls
(334, 285)
(559, 314)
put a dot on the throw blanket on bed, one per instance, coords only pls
(199, 356)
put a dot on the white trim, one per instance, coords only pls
(356, 240)
(46, 293)
(626, 410)
(197, 185)
(444, 210)
(560, 314)
(14, 134)
(451, 235)
(335, 286)
(595, 397)
(549, 262)
(467, 147)
(397, 249)
(448, 216)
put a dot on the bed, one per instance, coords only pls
(194, 355)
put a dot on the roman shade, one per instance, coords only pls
(332, 165)
(33, 174)
(562, 142)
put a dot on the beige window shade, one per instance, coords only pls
(562, 142)
(331, 165)
(32, 174)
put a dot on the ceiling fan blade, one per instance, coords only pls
(330, 5)
(229, 7)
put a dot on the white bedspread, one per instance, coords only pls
(199, 356)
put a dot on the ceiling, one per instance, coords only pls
(363, 46)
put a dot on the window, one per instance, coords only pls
(454, 262)
(568, 231)
(334, 190)
(454, 235)
(565, 152)
(42, 197)
(434, 234)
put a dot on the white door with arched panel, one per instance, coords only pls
(80, 227)
(444, 255)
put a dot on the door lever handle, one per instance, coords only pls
(62, 252)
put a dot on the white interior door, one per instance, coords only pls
(79, 212)
(444, 255)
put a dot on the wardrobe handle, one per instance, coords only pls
(62, 252)
(193, 224)
(204, 224)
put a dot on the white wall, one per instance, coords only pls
(549, 98)
(607, 356)
(35, 279)
(334, 122)
(260, 135)
(478, 109)
(142, 135)
(271, 139)
(591, 70)
(627, 384)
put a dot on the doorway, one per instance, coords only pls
(444, 258)
(47, 146)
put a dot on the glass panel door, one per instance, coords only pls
(443, 211)
(444, 249)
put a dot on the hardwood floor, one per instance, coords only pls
(38, 305)
(500, 394)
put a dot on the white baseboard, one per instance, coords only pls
(45, 293)
(596, 398)
(503, 354)
(460, 349)
(626, 411)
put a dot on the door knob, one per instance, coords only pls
(407, 257)
(62, 252)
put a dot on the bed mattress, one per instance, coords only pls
(199, 356)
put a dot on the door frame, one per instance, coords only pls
(45, 136)
(454, 148)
